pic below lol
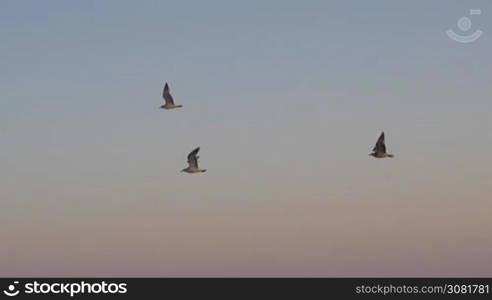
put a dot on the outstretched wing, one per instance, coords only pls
(380, 146)
(193, 158)
(167, 95)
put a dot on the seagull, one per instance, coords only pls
(168, 99)
(379, 150)
(193, 163)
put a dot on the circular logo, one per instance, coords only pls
(464, 24)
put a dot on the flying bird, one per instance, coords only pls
(193, 163)
(379, 150)
(169, 101)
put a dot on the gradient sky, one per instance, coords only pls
(286, 99)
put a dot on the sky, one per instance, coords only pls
(285, 98)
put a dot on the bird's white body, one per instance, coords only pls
(194, 170)
(381, 155)
(170, 106)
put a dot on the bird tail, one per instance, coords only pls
(203, 171)
(391, 155)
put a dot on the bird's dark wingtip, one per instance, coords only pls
(195, 151)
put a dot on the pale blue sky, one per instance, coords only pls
(286, 99)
